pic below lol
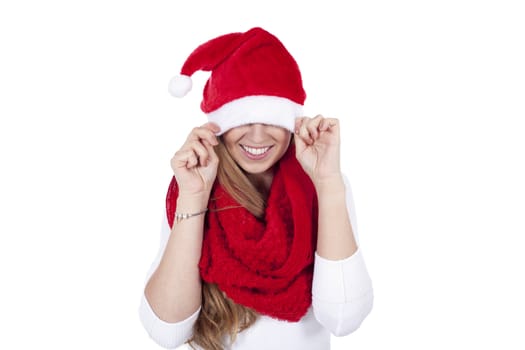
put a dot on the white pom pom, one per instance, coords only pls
(180, 85)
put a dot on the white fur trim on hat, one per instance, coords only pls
(271, 110)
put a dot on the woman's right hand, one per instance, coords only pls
(195, 163)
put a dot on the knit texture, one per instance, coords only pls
(266, 265)
(254, 79)
(245, 64)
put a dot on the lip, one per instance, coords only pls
(254, 156)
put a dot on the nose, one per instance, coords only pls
(257, 132)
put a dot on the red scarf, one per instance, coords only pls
(266, 265)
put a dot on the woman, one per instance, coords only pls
(258, 248)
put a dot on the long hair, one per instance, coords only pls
(220, 317)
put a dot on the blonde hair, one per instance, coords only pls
(221, 317)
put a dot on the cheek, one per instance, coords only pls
(284, 140)
(232, 149)
(283, 144)
(229, 142)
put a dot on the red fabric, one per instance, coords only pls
(245, 64)
(263, 264)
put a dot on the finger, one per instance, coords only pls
(212, 127)
(325, 125)
(328, 123)
(201, 152)
(304, 134)
(300, 145)
(184, 159)
(192, 161)
(203, 133)
(313, 126)
(211, 152)
(298, 123)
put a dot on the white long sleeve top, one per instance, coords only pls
(342, 297)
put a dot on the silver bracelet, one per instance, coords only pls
(181, 216)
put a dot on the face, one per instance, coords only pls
(257, 147)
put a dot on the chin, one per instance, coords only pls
(256, 168)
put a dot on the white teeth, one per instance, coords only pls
(255, 151)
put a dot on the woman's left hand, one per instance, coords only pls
(317, 147)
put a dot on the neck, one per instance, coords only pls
(262, 181)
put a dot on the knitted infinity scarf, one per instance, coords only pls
(266, 265)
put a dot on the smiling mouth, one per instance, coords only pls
(257, 152)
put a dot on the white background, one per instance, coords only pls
(430, 95)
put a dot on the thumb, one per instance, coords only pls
(300, 145)
(211, 151)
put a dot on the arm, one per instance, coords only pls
(342, 294)
(170, 303)
(174, 289)
(335, 238)
(317, 144)
(172, 296)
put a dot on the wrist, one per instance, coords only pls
(332, 184)
(192, 202)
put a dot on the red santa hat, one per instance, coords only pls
(254, 79)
